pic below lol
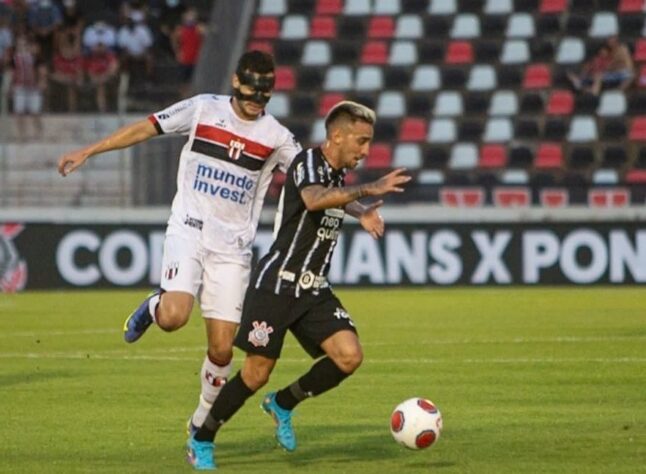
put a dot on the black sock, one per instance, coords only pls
(323, 376)
(231, 398)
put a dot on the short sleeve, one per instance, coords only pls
(178, 118)
(308, 171)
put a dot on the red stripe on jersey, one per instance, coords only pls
(152, 119)
(224, 137)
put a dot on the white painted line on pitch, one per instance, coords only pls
(511, 360)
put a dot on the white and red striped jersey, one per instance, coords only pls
(224, 171)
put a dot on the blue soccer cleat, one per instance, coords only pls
(199, 454)
(283, 419)
(135, 326)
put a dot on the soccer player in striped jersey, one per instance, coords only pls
(232, 148)
(289, 288)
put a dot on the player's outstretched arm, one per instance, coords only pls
(122, 138)
(317, 197)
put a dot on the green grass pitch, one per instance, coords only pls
(528, 380)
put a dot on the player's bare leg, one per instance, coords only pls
(215, 368)
(170, 310)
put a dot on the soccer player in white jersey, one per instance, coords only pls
(224, 171)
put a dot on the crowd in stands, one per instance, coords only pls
(61, 48)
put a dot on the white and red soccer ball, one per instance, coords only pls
(416, 423)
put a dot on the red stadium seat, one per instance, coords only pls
(266, 46)
(327, 101)
(604, 197)
(381, 27)
(413, 130)
(329, 7)
(561, 102)
(285, 78)
(459, 52)
(323, 27)
(266, 27)
(512, 197)
(553, 6)
(640, 50)
(631, 6)
(380, 156)
(638, 129)
(554, 197)
(374, 52)
(549, 155)
(537, 76)
(641, 80)
(493, 156)
(636, 177)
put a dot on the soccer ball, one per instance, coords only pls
(416, 423)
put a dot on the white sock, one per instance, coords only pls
(213, 378)
(152, 307)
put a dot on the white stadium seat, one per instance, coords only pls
(514, 52)
(605, 176)
(604, 24)
(612, 103)
(442, 7)
(448, 103)
(402, 53)
(441, 131)
(498, 130)
(497, 7)
(520, 25)
(514, 177)
(426, 78)
(482, 78)
(503, 102)
(430, 177)
(582, 129)
(409, 26)
(278, 106)
(391, 104)
(463, 156)
(386, 7)
(369, 78)
(316, 53)
(338, 78)
(357, 7)
(272, 7)
(294, 27)
(407, 155)
(465, 26)
(570, 51)
(318, 131)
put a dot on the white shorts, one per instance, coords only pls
(218, 282)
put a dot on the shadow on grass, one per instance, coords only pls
(39, 376)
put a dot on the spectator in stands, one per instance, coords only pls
(135, 41)
(72, 16)
(43, 19)
(68, 62)
(611, 67)
(29, 81)
(101, 66)
(99, 32)
(187, 42)
(169, 18)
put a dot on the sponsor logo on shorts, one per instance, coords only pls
(259, 335)
(193, 222)
(171, 270)
(341, 313)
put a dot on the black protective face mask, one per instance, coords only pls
(262, 85)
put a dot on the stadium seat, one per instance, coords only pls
(581, 158)
(441, 130)
(459, 52)
(604, 24)
(413, 129)
(380, 156)
(386, 7)
(407, 155)
(272, 7)
(553, 6)
(514, 176)
(430, 177)
(612, 103)
(285, 78)
(476, 103)
(577, 25)
(323, 27)
(442, 7)
(503, 102)
(631, 6)
(465, 26)
(338, 78)
(582, 129)
(453, 77)
(549, 155)
(294, 27)
(357, 7)
(278, 106)
(470, 130)
(261, 45)
(266, 27)
(498, 7)
(448, 103)
(409, 26)
(481, 78)
(636, 176)
(604, 176)
(493, 156)
(547, 25)
(402, 53)
(329, 7)
(614, 129)
(418, 104)
(391, 104)
(302, 105)
(537, 76)
(561, 102)
(570, 51)
(515, 52)
(345, 52)
(463, 156)
(327, 101)
(641, 79)
(638, 129)
(520, 25)
(426, 78)
(498, 130)
(397, 78)
(318, 133)
(374, 52)
(520, 157)
(369, 78)
(316, 53)
(640, 50)
(527, 128)
(382, 27)
(614, 157)
(555, 129)
(435, 157)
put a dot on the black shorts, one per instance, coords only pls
(266, 317)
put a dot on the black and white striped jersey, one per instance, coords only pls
(300, 257)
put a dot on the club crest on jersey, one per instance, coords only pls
(235, 149)
(259, 335)
(171, 270)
